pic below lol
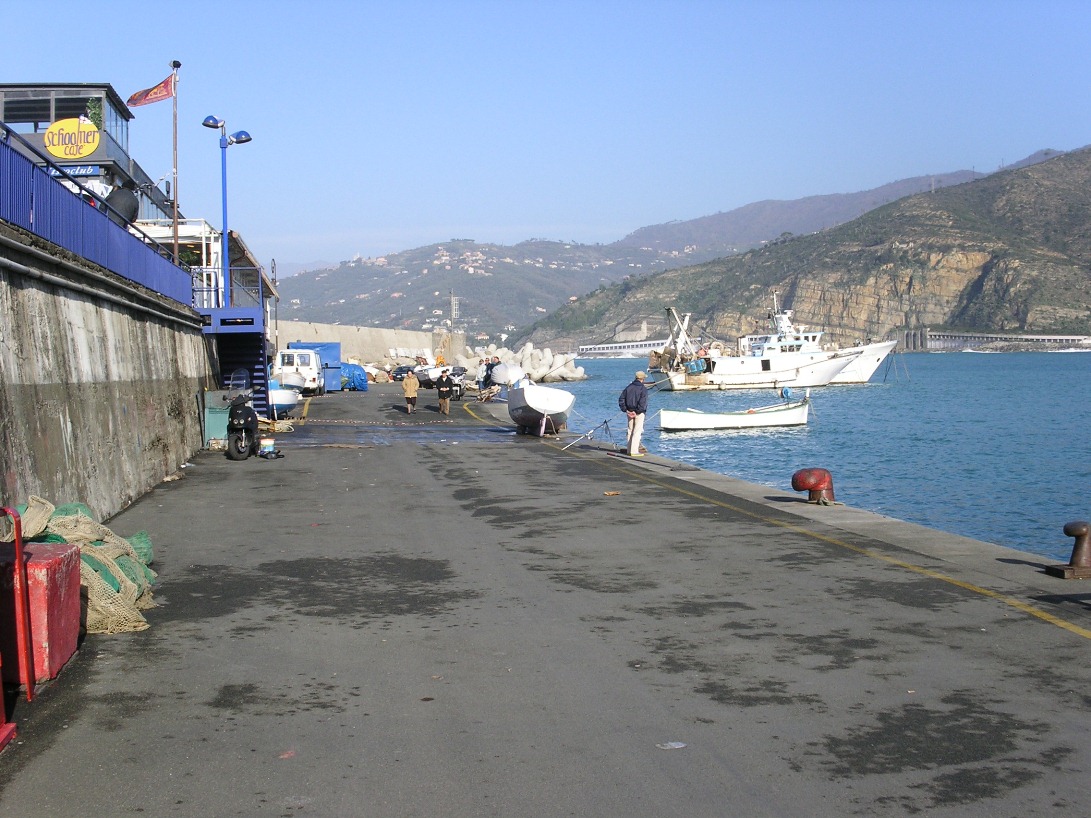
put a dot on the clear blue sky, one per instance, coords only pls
(381, 126)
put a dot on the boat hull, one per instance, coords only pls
(293, 381)
(282, 402)
(539, 409)
(861, 369)
(782, 414)
(802, 370)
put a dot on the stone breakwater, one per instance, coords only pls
(541, 365)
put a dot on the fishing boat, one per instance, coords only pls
(789, 413)
(863, 367)
(537, 409)
(789, 356)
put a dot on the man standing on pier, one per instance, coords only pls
(634, 403)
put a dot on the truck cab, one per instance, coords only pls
(305, 362)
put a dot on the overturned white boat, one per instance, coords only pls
(789, 413)
(539, 410)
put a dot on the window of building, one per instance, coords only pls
(26, 114)
(33, 111)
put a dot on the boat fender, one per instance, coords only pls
(819, 484)
(786, 393)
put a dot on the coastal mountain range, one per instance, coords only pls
(1009, 252)
(605, 289)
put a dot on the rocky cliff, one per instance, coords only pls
(1009, 252)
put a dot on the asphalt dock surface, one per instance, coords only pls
(428, 615)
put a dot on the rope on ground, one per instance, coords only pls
(266, 425)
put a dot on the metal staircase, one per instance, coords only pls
(245, 350)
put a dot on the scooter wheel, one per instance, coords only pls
(238, 448)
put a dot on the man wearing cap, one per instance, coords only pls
(444, 387)
(634, 403)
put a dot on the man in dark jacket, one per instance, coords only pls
(633, 401)
(124, 203)
(444, 387)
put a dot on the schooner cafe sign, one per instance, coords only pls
(71, 138)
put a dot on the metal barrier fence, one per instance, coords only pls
(36, 201)
(246, 289)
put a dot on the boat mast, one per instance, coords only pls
(679, 338)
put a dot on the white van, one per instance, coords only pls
(304, 362)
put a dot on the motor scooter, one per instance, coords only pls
(242, 429)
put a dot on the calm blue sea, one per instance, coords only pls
(990, 446)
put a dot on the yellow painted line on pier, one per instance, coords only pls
(306, 408)
(1018, 604)
(489, 420)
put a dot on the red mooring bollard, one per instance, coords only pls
(819, 482)
(1079, 567)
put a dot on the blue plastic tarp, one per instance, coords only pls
(330, 353)
(353, 377)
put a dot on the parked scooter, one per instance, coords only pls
(242, 429)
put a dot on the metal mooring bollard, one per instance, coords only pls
(819, 482)
(1079, 567)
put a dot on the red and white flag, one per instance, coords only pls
(164, 90)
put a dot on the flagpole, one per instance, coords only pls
(174, 88)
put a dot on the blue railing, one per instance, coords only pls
(36, 201)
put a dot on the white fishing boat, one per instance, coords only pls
(537, 409)
(788, 357)
(789, 413)
(863, 367)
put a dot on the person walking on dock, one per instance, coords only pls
(410, 386)
(444, 387)
(633, 401)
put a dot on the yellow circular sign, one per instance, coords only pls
(72, 138)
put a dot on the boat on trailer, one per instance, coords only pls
(539, 410)
(788, 413)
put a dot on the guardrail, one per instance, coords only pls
(33, 199)
(244, 292)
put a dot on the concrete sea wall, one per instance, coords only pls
(367, 344)
(99, 380)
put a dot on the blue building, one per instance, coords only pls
(61, 143)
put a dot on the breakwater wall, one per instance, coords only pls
(369, 344)
(99, 380)
(920, 340)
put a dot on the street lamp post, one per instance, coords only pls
(239, 138)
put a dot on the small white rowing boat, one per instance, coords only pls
(792, 413)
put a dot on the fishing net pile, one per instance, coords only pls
(115, 578)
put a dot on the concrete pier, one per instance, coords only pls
(430, 615)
